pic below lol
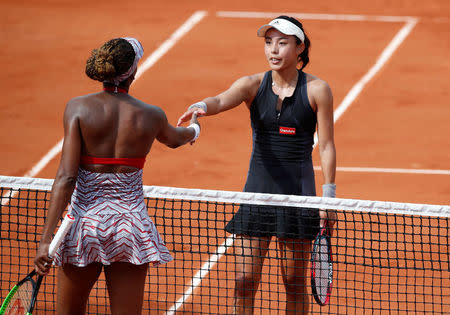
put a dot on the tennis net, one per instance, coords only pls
(387, 257)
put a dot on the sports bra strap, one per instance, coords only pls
(135, 162)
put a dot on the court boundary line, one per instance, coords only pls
(170, 42)
(350, 97)
(316, 16)
(389, 170)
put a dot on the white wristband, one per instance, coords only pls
(201, 105)
(196, 128)
(329, 190)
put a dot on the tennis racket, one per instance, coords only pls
(22, 297)
(322, 266)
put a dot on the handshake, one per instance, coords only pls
(195, 110)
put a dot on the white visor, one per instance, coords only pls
(284, 26)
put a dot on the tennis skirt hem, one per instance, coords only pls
(268, 221)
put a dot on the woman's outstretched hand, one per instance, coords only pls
(194, 120)
(198, 108)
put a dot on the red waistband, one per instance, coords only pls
(135, 162)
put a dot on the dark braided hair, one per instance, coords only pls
(304, 56)
(113, 58)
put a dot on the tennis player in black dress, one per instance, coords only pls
(286, 106)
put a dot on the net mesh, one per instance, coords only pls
(387, 257)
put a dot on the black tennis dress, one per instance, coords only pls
(281, 163)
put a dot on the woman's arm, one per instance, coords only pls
(325, 130)
(242, 90)
(63, 185)
(175, 137)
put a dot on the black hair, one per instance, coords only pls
(304, 56)
(113, 58)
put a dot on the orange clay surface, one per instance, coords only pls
(400, 119)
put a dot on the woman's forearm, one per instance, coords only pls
(213, 105)
(328, 163)
(62, 190)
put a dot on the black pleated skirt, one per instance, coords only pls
(282, 222)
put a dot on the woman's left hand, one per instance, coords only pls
(329, 216)
(42, 262)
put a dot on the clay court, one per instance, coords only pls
(387, 63)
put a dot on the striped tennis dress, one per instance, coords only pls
(281, 163)
(111, 223)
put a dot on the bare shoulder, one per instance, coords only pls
(82, 107)
(257, 77)
(150, 115)
(150, 109)
(317, 86)
(76, 106)
(83, 101)
(319, 93)
(248, 86)
(251, 81)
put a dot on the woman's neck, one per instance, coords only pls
(285, 79)
(109, 87)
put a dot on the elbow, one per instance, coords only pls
(184, 136)
(173, 145)
(66, 182)
(328, 153)
(327, 146)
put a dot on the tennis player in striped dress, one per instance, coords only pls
(107, 136)
(286, 106)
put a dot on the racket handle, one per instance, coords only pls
(60, 234)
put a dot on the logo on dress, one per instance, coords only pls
(287, 131)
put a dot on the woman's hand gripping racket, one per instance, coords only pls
(22, 297)
(322, 266)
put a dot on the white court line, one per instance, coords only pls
(198, 277)
(8, 195)
(169, 43)
(345, 104)
(315, 16)
(382, 59)
(147, 64)
(388, 170)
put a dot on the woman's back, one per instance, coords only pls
(116, 125)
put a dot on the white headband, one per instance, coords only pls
(284, 26)
(138, 53)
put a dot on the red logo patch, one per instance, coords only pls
(287, 131)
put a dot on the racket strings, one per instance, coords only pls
(21, 300)
(322, 269)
